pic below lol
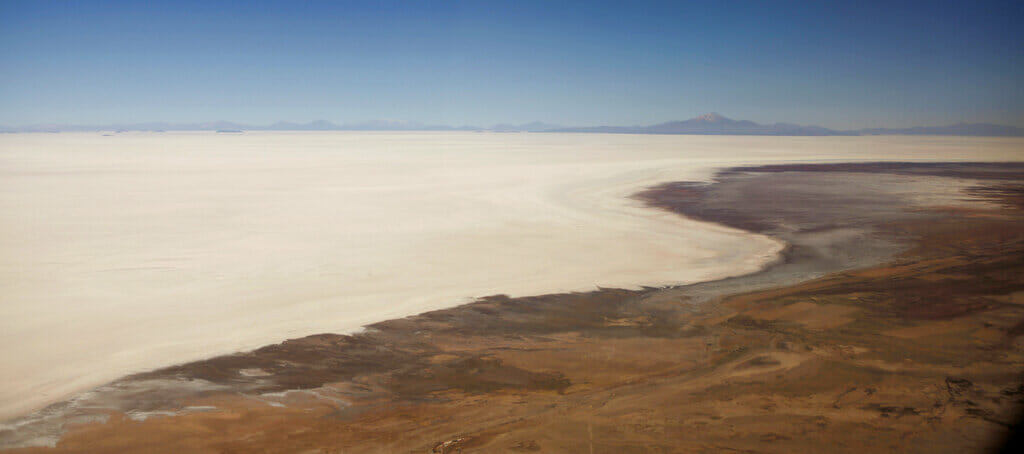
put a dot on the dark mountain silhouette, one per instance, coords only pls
(713, 123)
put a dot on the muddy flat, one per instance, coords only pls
(892, 322)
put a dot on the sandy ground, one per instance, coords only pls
(920, 353)
(125, 253)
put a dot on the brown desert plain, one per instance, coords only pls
(888, 325)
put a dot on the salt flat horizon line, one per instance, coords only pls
(706, 124)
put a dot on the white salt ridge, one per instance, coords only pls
(130, 252)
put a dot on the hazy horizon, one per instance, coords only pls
(466, 63)
(711, 123)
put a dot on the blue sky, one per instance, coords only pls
(836, 64)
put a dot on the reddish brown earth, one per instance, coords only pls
(919, 352)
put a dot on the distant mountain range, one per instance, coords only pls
(708, 124)
(959, 129)
(715, 124)
(319, 125)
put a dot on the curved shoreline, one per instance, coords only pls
(259, 238)
(401, 353)
(665, 224)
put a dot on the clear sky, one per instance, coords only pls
(840, 64)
